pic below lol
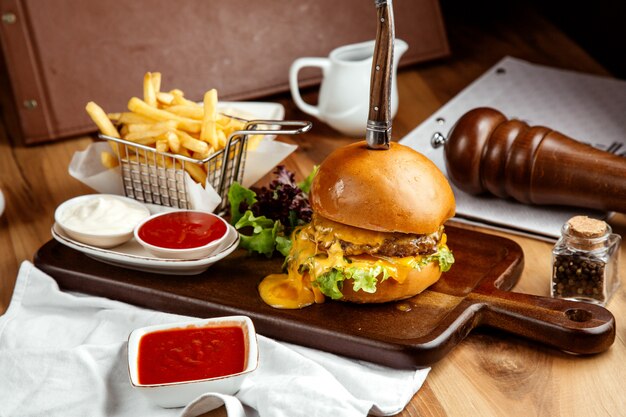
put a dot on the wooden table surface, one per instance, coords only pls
(490, 373)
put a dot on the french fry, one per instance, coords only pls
(156, 82)
(141, 107)
(254, 141)
(179, 99)
(229, 123)
(143, 127)
(105, 125)
(157, 160)
(183, 110)
(132, 118)
(101, 120)
(145, 140)
(208, 133)
(149, 94)
(138, 127)
(196, 172)
(161, 145)
(170, 123)
(146, 134)
(172, 141)
(185, 152)
(109, 160)
(191, 143)
(221, 138)
(114, 117)
(151, 88)
(165, 98)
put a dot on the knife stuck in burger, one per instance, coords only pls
(377, 232)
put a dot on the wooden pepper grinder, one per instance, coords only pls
(486, 152)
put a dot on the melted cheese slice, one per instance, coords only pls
(327, 230)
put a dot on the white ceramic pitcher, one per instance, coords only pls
(344, 94)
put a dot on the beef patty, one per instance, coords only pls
(392, 244)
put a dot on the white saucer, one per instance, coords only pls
(1, 203)
(132, 255)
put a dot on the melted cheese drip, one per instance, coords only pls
(285, 291)
(328, 230)
(295, 289)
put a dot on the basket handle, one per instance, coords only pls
(276, 127)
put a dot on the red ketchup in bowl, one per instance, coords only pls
(189, 354)
(182, 230)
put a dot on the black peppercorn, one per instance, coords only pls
(574, 281)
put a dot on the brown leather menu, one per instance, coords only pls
(59, 54)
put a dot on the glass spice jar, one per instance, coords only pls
(585, 261)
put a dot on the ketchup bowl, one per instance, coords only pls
(184, 234)
(173, 364)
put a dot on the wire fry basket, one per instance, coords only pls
(158, 178)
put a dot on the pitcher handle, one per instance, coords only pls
(298, 64)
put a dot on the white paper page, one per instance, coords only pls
(586, 107)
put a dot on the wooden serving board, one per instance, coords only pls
(412, 333)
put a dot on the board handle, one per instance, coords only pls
(571, 326)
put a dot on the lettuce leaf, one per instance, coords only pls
(264, 233)
(239, 195)
(330, 283)
(305, 185)
(283, 200)
(283, 245)
(271, 213)
(365, 279)
(443, 257)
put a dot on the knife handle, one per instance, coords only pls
(487, 153)
(378, 131)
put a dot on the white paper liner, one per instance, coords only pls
(87, 168)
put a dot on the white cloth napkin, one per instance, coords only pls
(64, 354)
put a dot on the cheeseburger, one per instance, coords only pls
(377, 231)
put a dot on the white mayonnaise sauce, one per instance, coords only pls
(103, 215)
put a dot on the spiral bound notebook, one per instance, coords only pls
(589, 108)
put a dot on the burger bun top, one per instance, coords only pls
(394, 190)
